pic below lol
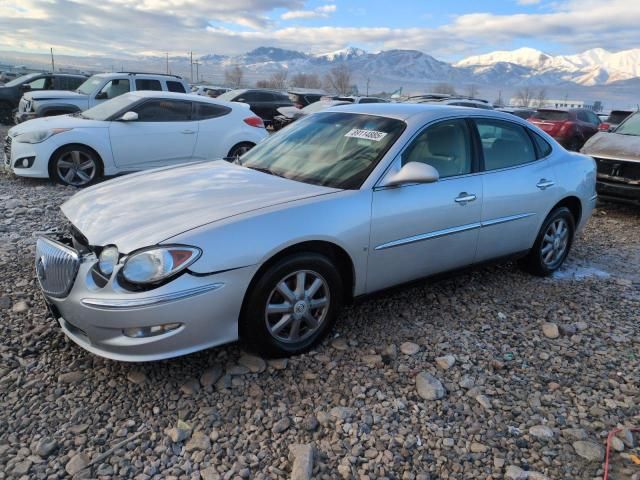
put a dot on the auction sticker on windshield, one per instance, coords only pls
(366, 134)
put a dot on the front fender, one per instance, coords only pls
(94, 138)
(342, 219)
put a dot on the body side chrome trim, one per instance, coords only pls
(452, 230)
(126, 303)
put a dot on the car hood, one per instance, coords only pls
(146, 208)
(59, 121)
(53, 94)
(613, 145)
(290, 112)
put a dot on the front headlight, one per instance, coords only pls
(158, 263)
(108, 260)
(39, 135)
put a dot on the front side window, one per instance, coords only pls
(631, 126)
(114, 88)
(333, 149)
(504, 144)
(164, 111)
(38, 84)
(446, 146)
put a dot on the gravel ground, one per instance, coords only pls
(490, 374)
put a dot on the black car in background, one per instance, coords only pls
(264, 103)
(288, 115)
(303, 97)
(11, 92)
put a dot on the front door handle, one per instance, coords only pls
(188, 132)
(465, 198)
(544, 184)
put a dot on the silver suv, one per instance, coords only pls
(96, 89)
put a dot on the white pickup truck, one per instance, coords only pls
(94, 90)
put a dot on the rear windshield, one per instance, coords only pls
(553, 115)
(333, 149)
(617, 117)
(631, 126)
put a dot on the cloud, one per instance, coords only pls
(528, 2)
(320, 12)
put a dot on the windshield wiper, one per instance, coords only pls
(267, 171)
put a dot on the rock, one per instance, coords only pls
(20, 307)
(136, 376)
(343, 413)
(515, 473)
(310, 423)
(45, 447)
(372, 360)
(211, 375)
(5, 303)
(429, 387)
(476, 447)
(567, 330)
(339, 343)
(71, 377)
(498, 462)
(445, 362)
(278, 363)
(76, 463)
(198, 441)
(281, 425)
(484, 401)
(180, 432)
(409, 348)
(210, 473)
(550, 330)
(617, 444)
(574, 434)
(627, 437)
(467, 382)
(302, 462)
(237, 370)
(253, 363)
(22, 468)
(190, 387)
(390, 353)
(344, 471)
(448, 442)
(541, 432)
(589, 450)
(581, 326)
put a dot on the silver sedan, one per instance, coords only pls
(343, 203)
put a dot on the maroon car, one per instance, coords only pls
(571, 128)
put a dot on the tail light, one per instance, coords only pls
(566, 129)
(604, 127)
(254, 122)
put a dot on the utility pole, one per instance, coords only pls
(197, 64)
(368, 79)
(167, 63)
(53, 65)
(191, 57)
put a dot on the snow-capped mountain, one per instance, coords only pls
(592, 67)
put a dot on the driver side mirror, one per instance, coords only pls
(25, 88)
(129, 117)
(101, 96)
(413, 172)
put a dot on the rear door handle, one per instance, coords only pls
(465, 198)
(544, 184)
(188, 132)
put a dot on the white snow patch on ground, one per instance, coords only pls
(579, 272)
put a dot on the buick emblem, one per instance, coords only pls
(41, 268)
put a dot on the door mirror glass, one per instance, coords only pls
(25, 88)
(413, 172)
(101, 96)
(129, 117)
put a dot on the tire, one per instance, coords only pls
(6, 112)
(238, 150)
(552, 245)
(272, 334)
(75, 165)
(574, 144)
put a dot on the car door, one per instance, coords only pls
(518, 187)
(423, 229)
(112, 89)
(214, 130)
(164, 134)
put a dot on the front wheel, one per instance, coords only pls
(552, 244)
(75, 165)
(6, 112)
(292, 306)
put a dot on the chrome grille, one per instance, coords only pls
(7, 150)
(56, 267)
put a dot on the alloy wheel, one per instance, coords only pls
(297, 306)
(76, 168)
(555, 242)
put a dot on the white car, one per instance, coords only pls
(135, 131)
(205, 89)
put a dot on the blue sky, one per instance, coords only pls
(447, 30)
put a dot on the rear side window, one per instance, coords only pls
(504, 144)
(175, 87)
(551, 115)
(204, 111)
(543, 147)
(148, 84)
(164, 111)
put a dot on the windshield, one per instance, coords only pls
(106, 110)
(552, 115)
(20, 80)
(333, 149)
(229, 96)
(89, 85)
(631, 126)
(617, 116)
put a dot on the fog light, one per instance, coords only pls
(143, 332)
(25, 162)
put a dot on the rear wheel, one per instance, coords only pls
(238, 150)
(574, 144)
(6, 113)
(292, 306)
(552, 244)
(75, 165)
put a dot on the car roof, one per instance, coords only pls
(421, 112)
(138, 74)
(182, 96)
